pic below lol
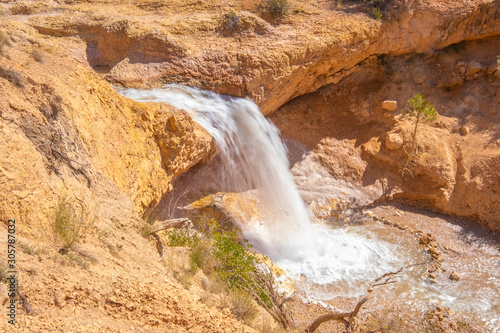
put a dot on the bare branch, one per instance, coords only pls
(341, 317)
(337, 317)
(169, 224)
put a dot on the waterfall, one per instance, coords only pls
(254, 157)
(325, 261)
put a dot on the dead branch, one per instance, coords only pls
(68, 161)
(389, 276)
(338, 317)
(169, 224)
(277, 311)
(159, 244)
(341, 317)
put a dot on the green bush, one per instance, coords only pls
(226, 258)
(235, 262)
(377, 13)
(182, 238)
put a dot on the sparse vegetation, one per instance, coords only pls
(226, 258)
(182, 237)
(231, 20)
(38, 55)
(419, 109)
(29, 248)
(240, 304)
(150, 216)
(71, 222)
(13, 76)
(276, 7)
(377, 13)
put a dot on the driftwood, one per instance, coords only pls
(337, 316)
(164, 225)
(380, 281)
(169, 224)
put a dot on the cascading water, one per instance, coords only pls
(326, 261)
(254, 157)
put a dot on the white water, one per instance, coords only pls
(254, 157)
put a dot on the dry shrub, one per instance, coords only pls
(13, 76)
(72, 222)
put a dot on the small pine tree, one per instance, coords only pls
(420, 109)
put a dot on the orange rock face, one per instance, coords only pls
(66, 133)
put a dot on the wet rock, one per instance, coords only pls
(454, 276)
(393, 141)
(389, 105)
(230, 208)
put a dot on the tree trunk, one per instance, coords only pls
(413, 147)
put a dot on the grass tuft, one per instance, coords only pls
(231, 20)
(277, 7)
(72, 222)
(38, 55)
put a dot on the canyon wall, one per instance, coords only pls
(66, 133)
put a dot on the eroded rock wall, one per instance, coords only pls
(357, 139)
(270, 61)
(65, 130)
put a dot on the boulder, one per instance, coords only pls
(389, 105)
(464, 130)
(393, 141)
(472, 68)
(454, 276)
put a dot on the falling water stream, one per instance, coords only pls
(253, 156)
